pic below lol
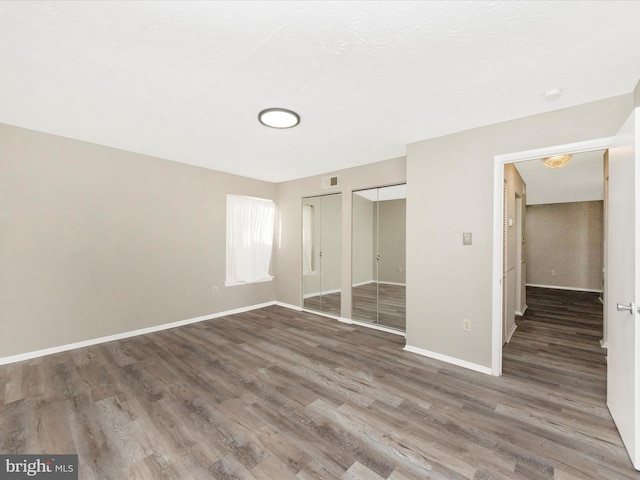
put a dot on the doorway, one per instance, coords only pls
(500, 162)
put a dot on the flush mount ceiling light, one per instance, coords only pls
(556, 161)
(278, 118)
(552, 93)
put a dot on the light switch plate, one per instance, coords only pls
(466, 238)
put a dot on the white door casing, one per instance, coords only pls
(498, 174)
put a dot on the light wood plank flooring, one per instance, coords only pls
(278, 394)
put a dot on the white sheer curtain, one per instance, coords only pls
(307, 239)
(250, 227)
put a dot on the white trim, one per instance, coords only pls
(363, 283)
(315, 294)
(166, 326)
(511, 332)
(235, 284)
(521, 313)
(557, 287)
(132, 333)
(445, 358)
(373, 326)
(318, 312)
(603, 344)
(288, 305)
(499, 161)
(379, 282)
(357, 323)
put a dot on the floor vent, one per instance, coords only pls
(330, 182)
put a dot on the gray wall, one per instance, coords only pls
(450, 191)
(96, 241)
(564, 245)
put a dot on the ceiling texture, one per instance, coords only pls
(185, 80)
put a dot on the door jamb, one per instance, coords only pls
(499, 162)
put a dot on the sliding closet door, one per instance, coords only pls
(391, 234)
(364, 269)
(322, 253)
(378, 255)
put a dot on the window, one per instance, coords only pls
(250, 227)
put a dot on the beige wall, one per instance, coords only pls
(450, 191)
(289, 261)
(96, 241)
(565, 245)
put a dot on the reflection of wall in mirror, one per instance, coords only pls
(392, 241)
(325, 236)
(363, 269)
(331, 243)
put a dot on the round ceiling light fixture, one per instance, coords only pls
(556, 161)
(552, 94)
(279, 118)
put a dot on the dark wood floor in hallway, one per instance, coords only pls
(278, 394)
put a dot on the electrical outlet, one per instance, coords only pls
(466, 238)
(553, 272)
(215, 289)
(466, 325)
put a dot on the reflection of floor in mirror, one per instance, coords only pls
(391, 304)
(329, 303)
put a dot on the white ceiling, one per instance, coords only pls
(582, 180)
(185, 80)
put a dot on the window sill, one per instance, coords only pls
(234, 284)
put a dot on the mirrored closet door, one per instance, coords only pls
(322, 253)
(378, 256)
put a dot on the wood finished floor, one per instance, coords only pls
(380, 303)
(278, 394)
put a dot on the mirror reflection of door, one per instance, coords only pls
(322, 253)
(379, 256)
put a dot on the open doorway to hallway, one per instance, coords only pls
(553, 232)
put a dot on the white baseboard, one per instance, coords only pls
(315, 294)
(318, 312)
(288, 305)
(373, 326)
(557, 287)
(511, 332)
(445, 358)
(522, 312)
(166, 326)
(363, 283)
(379, 282)
(132, 333)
